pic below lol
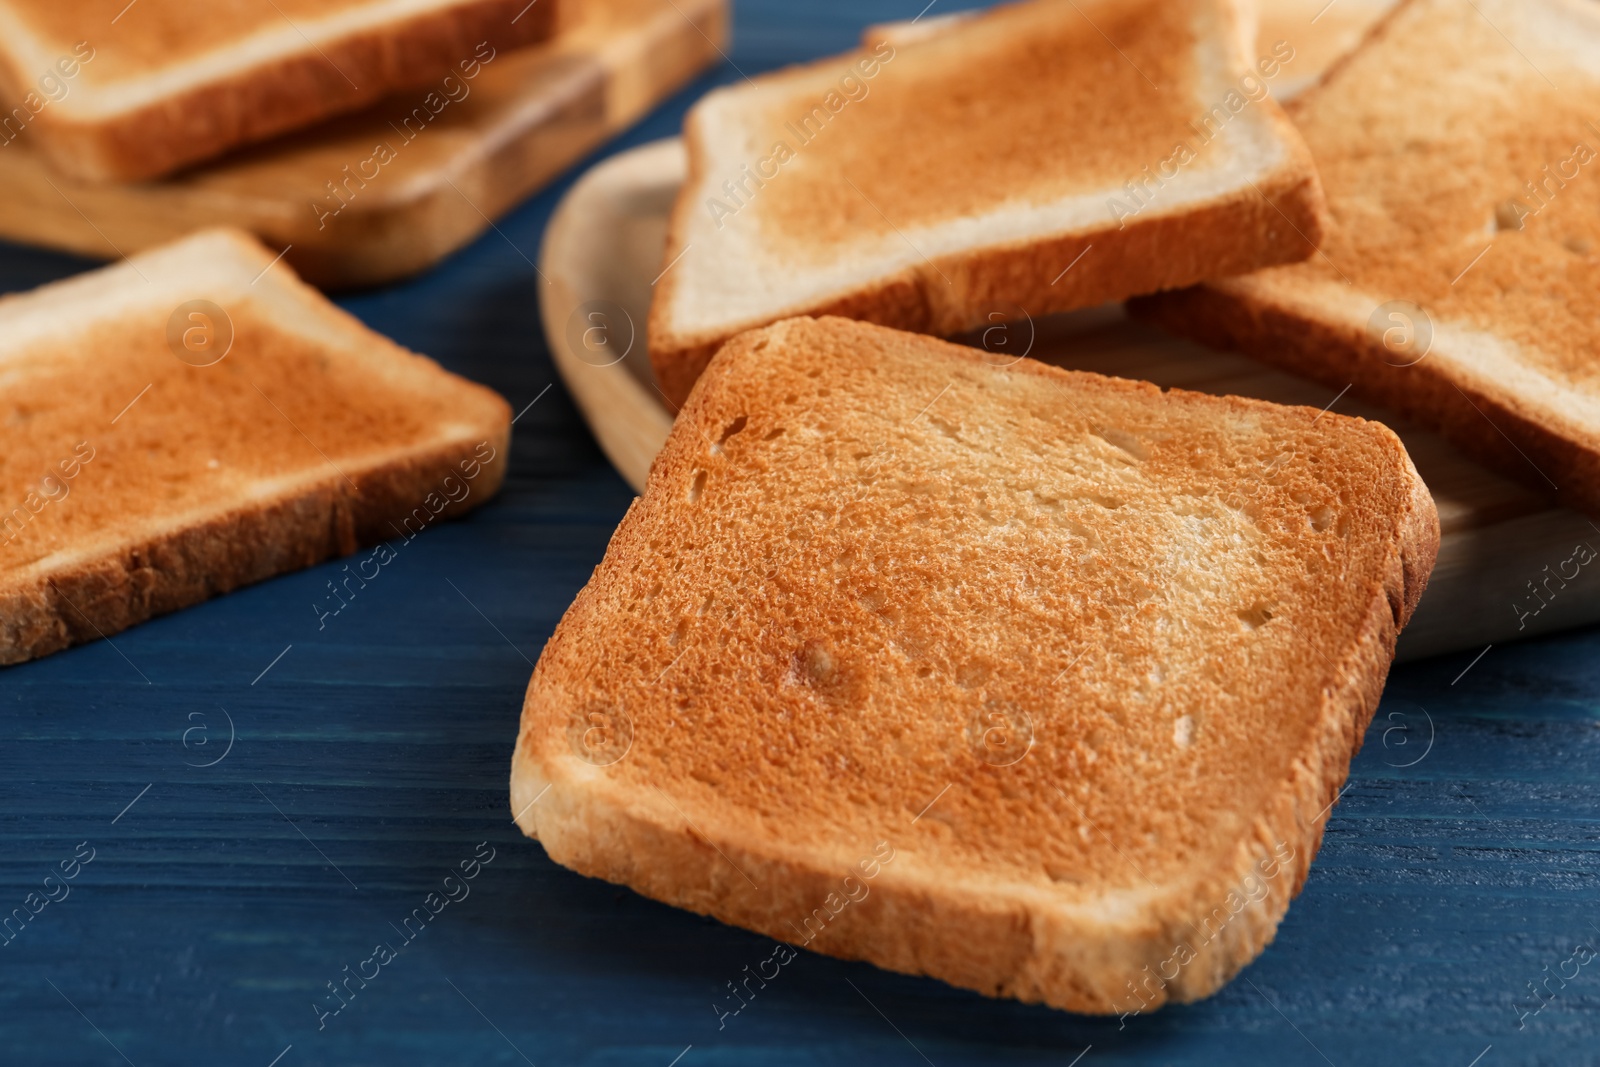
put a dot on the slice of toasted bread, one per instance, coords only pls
(197, 418)
(1039, 682)
(112, 90)
(1312, 33)
(1042, 156)
(1459, 282)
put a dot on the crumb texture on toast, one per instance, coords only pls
(136, 481)
(940, 183)
(1089, 659)
(1457, 279)
(122, 92)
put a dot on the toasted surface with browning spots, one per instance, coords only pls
(119, 91)
(957, 178)
(1088, 659)
(1463, 186)
(135, 482)
(1009, 108)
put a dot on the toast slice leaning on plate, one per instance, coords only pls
(1459, 281)
(117, 91)
(1042, 683)
(1043, 156)
(196, 418)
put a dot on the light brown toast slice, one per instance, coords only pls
(112, 90)
(1315, 32)
(386, 192)
(1042, 683)
(1459, 282)
(1042, 156)
(156, 451)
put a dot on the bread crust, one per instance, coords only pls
(1493, 428)
(1281, 318)
(178, 568)
(1231, 235)
(270, 98)
(112, 578)
(1278, 220)
(1002, 941)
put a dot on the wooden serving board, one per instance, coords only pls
(408, 193)
(602, 252)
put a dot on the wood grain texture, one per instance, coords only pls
(392, 190)
(207, 925)
(599, 254)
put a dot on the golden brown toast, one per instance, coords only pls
(1042, 156)
(1316, 32)
(113, 90)
(1039, 682)
(1459, 282)
(195, 419)
(383, 193)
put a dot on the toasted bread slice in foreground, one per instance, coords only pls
(1043, 156)
(195, 419)
(112, 90)
(1459, 282)
(1042, 683)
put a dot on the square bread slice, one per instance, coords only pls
(1042, 683)
(1459, 280)
(1040, 157)
(197, 418)
(112, 90)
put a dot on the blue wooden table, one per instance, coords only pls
(218, 894)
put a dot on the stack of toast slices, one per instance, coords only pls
(357, 198)
(1457, 281)
(115, 91)
(1039, 682)
(196, 418)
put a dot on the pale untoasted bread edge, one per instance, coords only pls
(1161, 252)
(270, 98)
(634, 840)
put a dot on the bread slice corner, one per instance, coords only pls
(1040, 683)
